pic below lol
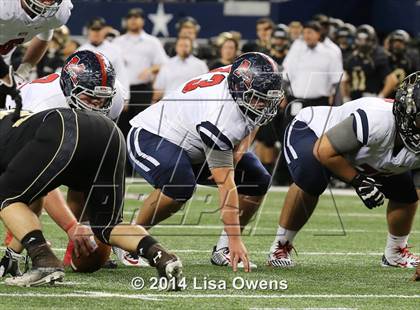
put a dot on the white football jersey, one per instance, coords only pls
(45, 93)
(375, 128)
(17, 27)
(199, 111)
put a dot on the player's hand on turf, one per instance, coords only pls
(238, 252)
(81, 235)
(368, 190)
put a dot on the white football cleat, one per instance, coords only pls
(37, 277)
(400, 257)
(221, 257)
(280, 256)
(128, 259)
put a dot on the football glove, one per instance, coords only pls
(368, 191)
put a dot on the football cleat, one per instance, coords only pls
(280, 256)
(221, 257)
(173, 268)
(129, 259)
(9, 264)
(401, 257)
(168, 266)
(37, 276)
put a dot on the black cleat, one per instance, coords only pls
(9, 264)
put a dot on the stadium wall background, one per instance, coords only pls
(216, 17)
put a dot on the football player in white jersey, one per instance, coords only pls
(49, 92)
(191, 137)
(370, 143)
(30, 20)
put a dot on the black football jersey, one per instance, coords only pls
(367, 73)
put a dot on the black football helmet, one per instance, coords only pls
(406, 110)
(344, 36)
(88, 73)
(398, 35)
(365, 39)
(44, 8)
(255, 85)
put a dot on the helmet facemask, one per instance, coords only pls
(363, 42)
(105, 93)
(260, 108)
(39, 8)
(407, 112)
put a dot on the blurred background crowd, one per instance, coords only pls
(324, 60)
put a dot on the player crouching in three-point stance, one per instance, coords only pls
(370, 143)
(195, 134)
(86, 152)
(86, 82)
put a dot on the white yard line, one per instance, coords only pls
(157, 297)
(263, 252)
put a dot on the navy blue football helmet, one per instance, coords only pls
(406, 111)
(255, 84)
(91, 74)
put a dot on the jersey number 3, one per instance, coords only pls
(199, 83)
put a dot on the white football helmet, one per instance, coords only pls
(44, 8)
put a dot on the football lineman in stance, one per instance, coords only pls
(370, 143)
(200, 134)
(84, 151)
(87, 82)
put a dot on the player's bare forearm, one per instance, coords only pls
(229, 201)
(58, 210)
(325, 153)
(391, 83)
(155, 69)
(76, 202)
(35, 51)
(244, 145)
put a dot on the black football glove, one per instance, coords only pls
(9, 89)
(368, 191)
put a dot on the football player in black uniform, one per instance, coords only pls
(367, 68)
(280, 43)
(86, 152)
(344, 38)
(402, 61)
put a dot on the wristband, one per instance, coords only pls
(70, 226)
